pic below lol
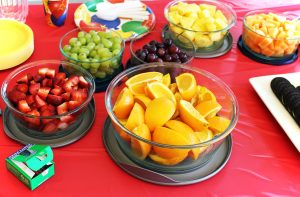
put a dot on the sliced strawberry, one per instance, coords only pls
(34, 88)
(43, 92)
(68, 118)
(45, 82)
(42, 72)
(70, 83)
(23, 106)
(16, 96)
(23, 79)
(50, 83)
(22, 87)
(44, 108)
(83, 83)
(73, 104)
(74, 79)
(46, 113)
(58, 82)
(66, 96)
(60, 75)
(38, 78)
(54, 99)
(68, 86)
(74, 88)
(79, 95)
(39, 101)
(63, 108)
(50, 73)
(57, 91)
(30, 99)
(33, 120)
(29, 77)
(52, 108)
(32, 82)
(50, 128)
(62, 125)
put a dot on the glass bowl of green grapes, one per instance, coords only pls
(96, 50)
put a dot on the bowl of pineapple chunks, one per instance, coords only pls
(271, 34)
(205, 22)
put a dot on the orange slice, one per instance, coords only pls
(123, 104)
(164, 135)
(136, 117)
(187, 132)
(218, 124)
(122, 133)
(140, 148)
(191, 116)
(166, 80)
(142, 100)
(137, 89)
(157, 90)
(144, 78)
(204, 136)
(167, 162)
(187, 85)
(158, 112)
(208, 109)
(206, 95)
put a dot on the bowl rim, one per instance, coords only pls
(265, 11)
(141, 67)
(137, 38)
(91, 29)
(220, 4)
(41, 62)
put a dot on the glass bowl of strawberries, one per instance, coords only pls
(47, 97)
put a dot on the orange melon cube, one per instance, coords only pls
(265, 43)
(267, 52)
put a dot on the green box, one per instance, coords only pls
(32, 164)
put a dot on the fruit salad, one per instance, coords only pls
(271, 34)
(46, 97)
(205, 24)
(179, 113)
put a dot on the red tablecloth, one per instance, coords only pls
(263, 162)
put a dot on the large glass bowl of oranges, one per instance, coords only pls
(170, 117)
(205, 22)
(271, 34)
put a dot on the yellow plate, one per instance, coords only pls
(17, 45)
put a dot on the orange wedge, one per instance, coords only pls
(164, 135)
(137, 88)
(166, 80)
(191, 116)
(208, 109)
(140, 148)
(142, 100)
(173, 87)
(157, 90)
(123, 104)
(218, 124)
(144, 78)
(158, 112)
(122, 133)
(136, 117)
(204, 136)
(187, 85)
(187, 132)
(206, 95)
(167, 162)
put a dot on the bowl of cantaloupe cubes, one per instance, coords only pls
(271, 34)
(169, 115)
(205, 22)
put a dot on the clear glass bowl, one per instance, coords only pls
(137, 43)
(103, 69)
(223, 95)
(204, 41)
(266, 46)
(24, 121)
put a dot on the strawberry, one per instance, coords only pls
(73, 104)
(62, 125)
(54, 99)
(66, 96)
(68, 118)
(42, 72)
(79, 95)
(43, 92)
(70, 83)
(63, 108)
(58, 82)
(35, 121)
(60, 75)
(45, 82)
(29, 77)
(57, 91)
(30, 99)
(44, 108)
(24, 79)
(32, 82)
(39, 101)
(83, 83)
(50, 83)
(74, 79)
(51, 108)
(16, 96)
(50, 73)
(50, 128)
(34, 88)
(22, 87)
(38, 78)
(23, 106)
(46, 113)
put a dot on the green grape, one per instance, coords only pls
(86, 65)
(82, 56)
(75, 49)
(105, 64)
(116, 40)
(74, 56)
(67, 48)
(84, 50)
(108, 35)
(81, 34)
(106, 55)
(100, 74)
(106, 43)
(99, 46)
(94, 63)
(93, 53)
(77, 43)
(116, 52)
(88, 37)
(102, 34)
(93, 70)
(72, 41)
(93, 32)
(115, 46)
(108, 70)
(115, 63)
(82, 40)
(96, 39)
(102, 50)
(91, 46)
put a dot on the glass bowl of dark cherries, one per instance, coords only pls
(154, 48)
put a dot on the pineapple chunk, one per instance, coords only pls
(210, 8)
(219, 15)
(220, 24)
(202, 40)
(215, 36)
(204, 14)
(174, 17)
(176, 29)
(187, 22)
(189, 35)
